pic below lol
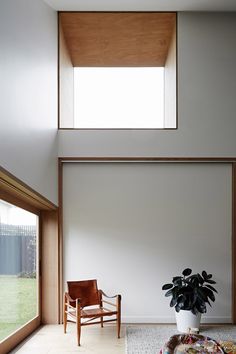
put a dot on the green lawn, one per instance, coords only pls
(18, 303)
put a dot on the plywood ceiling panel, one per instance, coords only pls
(118, 39)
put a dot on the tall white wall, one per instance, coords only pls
(66, 77)
(206, 100)
(28, 93)
(170, 85)
(146, 247)
(135, 226)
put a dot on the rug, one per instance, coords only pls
(149, 339)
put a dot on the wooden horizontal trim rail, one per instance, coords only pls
(146, 159)
(234, 242)
(9, 183)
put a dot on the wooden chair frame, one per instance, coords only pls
(74, 312)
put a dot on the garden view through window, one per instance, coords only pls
(18, 268)
(119, 97)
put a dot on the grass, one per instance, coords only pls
(18, 303)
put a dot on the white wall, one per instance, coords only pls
(28, 93)
(206, 100)
(170, 85)
(66, 77)
(134, 226)
(103, 214)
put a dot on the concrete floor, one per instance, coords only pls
(50, 339)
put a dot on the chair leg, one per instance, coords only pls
(118, 327)
(78, 331)
(118, 315)
(65, 322)
(100, 299)
(65, 314)
(78, 320)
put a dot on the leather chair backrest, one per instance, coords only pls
(85, 290)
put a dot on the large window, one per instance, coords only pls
(119, 98)
(18, 268)
(117, 70)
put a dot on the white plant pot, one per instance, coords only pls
(186, 320)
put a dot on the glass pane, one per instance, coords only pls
(119, 97)
(18, 268)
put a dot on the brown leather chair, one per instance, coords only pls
(82, 294)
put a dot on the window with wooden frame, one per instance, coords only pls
(29, 288)
(117, 70)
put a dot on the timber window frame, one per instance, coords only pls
(14, 191)
(99, 39)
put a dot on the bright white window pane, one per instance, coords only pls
(119, 97)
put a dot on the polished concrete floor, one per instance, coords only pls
(50, 339)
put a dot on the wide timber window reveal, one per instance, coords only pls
(117, 70)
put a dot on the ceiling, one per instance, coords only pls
(142, 5)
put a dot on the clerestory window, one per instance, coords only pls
(117, 70)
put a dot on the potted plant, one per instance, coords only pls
(190, 293)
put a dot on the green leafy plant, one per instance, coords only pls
(191, 291)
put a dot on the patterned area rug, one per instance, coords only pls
(149, 339)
